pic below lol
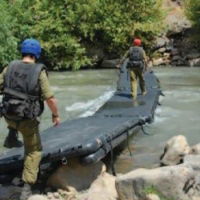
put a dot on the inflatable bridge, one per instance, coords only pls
(92, 138)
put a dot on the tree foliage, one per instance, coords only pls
(193, 11)
(8, 42)
(68, 28)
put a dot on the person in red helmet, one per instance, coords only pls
(137, 65)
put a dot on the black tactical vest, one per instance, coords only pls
(22, 94)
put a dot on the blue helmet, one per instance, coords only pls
(31, 46)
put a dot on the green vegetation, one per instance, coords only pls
(8, 42)
(153, 190)
(67, 29)
(193, 11)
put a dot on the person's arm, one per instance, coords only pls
(48, 96)
(51, 102)
(123, 59)
(145, 61)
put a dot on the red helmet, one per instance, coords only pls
(137, 42)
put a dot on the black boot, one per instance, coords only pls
(26, 192)
(12, 139)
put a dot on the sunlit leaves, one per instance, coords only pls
(68, 28)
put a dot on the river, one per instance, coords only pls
(81, 93)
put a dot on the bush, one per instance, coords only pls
(8, 42)
(193, 11)
(68, 28)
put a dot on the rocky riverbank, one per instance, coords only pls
(177, 177)
(176, 46)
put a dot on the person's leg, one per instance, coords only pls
(133, 77)
(32, 157)
(142, 82)
(32, 149)
(12, 139)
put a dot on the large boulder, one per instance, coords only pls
(75, 176)
(175, 150)
(103, 188)
(173, 182)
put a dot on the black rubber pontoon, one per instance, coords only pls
(92, 138)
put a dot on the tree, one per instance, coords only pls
(68, 28)
(8, 42)
(193, 11)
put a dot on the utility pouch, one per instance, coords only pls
(135, 64)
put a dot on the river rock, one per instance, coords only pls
(9, 192)
(193, 55)
(172, 182)
(103, 188)
(195, 149)
(158, 61)
(174, 52)
(153, 197)
(161, 42)
(175, 150)
(109, 63)
(162, 50)
(193, 161)
(194, 62)
(38, 197)
(75, 176)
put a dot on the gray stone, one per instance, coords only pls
(153, 197)
(75, 176)
(109, 63)
(158, 61)
(193, 55)
(161, 42)
(192, 161)
(38, 197)
(195, 149)
(103, 188)
(9, 192)
(175, 150)
(168, 181)
(162, 50)
(194, 62)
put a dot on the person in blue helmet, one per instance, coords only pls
(25, 86)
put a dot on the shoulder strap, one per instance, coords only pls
(35, 73)
(9, 71)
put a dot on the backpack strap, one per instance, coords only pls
(35, 74)
(9, 71)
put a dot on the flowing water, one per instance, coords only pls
(81, 93)
(178, 114)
